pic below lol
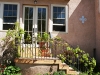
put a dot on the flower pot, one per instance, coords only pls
(41, 44)
(45, 53)
(44, 50)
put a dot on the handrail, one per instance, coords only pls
(52, 48)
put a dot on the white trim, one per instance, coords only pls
(66, 18)
(1, 12)
(35, 14)
(35, 18)
(1, 16)
(46, 14)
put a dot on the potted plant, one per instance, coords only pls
(42, 38)
(45, 52)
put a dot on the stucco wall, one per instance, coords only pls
(97, 13)
(78, 33)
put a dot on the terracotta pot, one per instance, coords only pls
(45, 54)
(41, 44)
(45, 50)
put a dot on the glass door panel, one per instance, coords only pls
(28, 25)
(35, 20)
(42, 19)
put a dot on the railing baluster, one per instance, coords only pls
(35, 48)
(22, 47)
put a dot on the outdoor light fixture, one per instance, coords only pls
(35, 1)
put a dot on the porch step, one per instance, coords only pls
(69, 70)
(58, 62)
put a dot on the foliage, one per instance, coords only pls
(83, 74)
(11, 35)
(98, 73)
(85, 60)
(62, 58)
(56, 73)
(8, 45)
(86, 73)
(18, 32)
(46, 74)
(76, 57)
(11, 70)
(2, 67)
(43, 37)
(28, 39)
(59, 73)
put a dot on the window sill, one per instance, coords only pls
(56, 32)
(3, 30)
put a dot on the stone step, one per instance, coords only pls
(62, 66)
(72, 72)
(68, 69)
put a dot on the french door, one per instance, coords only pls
(35, 20)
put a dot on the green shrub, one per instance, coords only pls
(56, 73)
(12, 70)
(83, 74)
(85, 62)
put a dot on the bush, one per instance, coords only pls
(12, 70)
(78, 57)
(56, 73)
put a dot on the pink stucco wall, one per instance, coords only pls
(97, 14)
(80, 34)
(83, 35)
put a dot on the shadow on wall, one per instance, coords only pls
(81, 34)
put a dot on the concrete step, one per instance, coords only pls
(61, 66)
(72, 72)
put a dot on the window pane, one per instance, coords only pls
(58, 28)
(26, 25)
(10, 13)
(62, 15)
(58, 15)
(5, 6)
(26, 12)
(30, 25)
(63, 9)
(59, 9)
(39, 25)
(43, 13)
(54, 15)
(10, 7)
(58, 21)
(6, 13)
(54, 9)
(14, 13)
(31, 13)
(9, 19)
(8, 26)
(14, 7)
(43, 25)
(41, 19)
(39, 13)
(14, 19)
